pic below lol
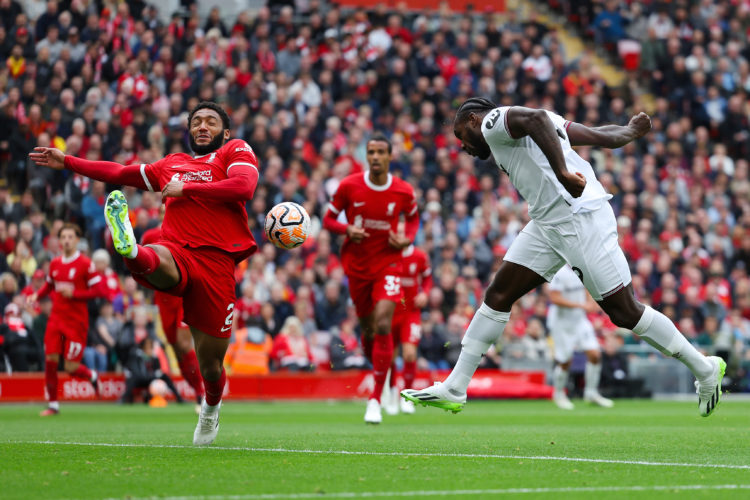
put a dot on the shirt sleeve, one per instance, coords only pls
(238, 152)
(561, 124)
(151, 173)
(558, 283)
(495, 127)
(339, 200)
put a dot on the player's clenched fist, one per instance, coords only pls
(48, 157)
(640, 124)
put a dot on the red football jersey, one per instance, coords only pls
(377, 209)
(79, 271)
(415, 275)
(195, 222)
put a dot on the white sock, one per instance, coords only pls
(132, 253)
(559, 379)
(485, 328)
(591, 375)
(660, 332)
(211, 409)
(54, 405)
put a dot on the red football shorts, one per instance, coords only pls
(170, 311)
(206, 287)
(367, 292)
(66, 339)
(406, 326)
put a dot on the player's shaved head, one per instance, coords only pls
(381, 138)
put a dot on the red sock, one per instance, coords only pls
(382, 355)
(50, 380)
(145, 262)
(393, 374)
(81, 372)
(367, 347)
(410, 373)
(191, 373)
(215, 388)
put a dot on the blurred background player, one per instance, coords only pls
(373, 202)
(175, 330)
(416, 280)
(205, 233)
(72, 281)
(571, 330)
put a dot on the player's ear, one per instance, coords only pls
(227, 133)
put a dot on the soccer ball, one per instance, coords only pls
(287, 225)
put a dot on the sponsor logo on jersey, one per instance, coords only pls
(359, 203)
(492, 120)
(203, 175)
(382, 225)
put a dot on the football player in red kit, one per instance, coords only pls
(72, 281)
(373, 202)
(176, 331)
(204, 234)
(416, 282)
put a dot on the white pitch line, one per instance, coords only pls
(444, 493)
(392, 454)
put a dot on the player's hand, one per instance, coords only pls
(65, 289)
(420, 300)
(574, 183)
(48, 157)
(356, 234)
(640, 124)
(398, 241)
(173, 189)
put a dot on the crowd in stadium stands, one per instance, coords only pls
(307, 87)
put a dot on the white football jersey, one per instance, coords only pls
(531, 174)
(567, 282)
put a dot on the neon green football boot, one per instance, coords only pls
(118, 222)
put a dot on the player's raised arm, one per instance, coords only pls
(239, 186)
(609, 136)
(105, 171)
(537, 124)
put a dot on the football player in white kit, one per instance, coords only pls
(571, 222)
(571, 330)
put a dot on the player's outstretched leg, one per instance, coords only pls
(709, 388)
(139, 259)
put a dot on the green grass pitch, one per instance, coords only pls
(514, 449)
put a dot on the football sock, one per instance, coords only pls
(410, 373)
(382, 355)
(660, 332)
(82, 372)
(145, 260)
(215, 388)
(191, 372)
(393, 374)
(50, 380)
(367, 347)
(591, 375)
(560, 379)
(485, 328)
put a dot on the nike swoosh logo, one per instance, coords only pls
(178, 166)
(359, 203)
(226, 328)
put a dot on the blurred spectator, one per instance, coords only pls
(345, 350)
(141, 369)
(291, 351)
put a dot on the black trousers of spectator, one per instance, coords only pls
(133, 383)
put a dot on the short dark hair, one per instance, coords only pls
(381, 138)
(478, 105)
(69, 225)
(213, 106)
